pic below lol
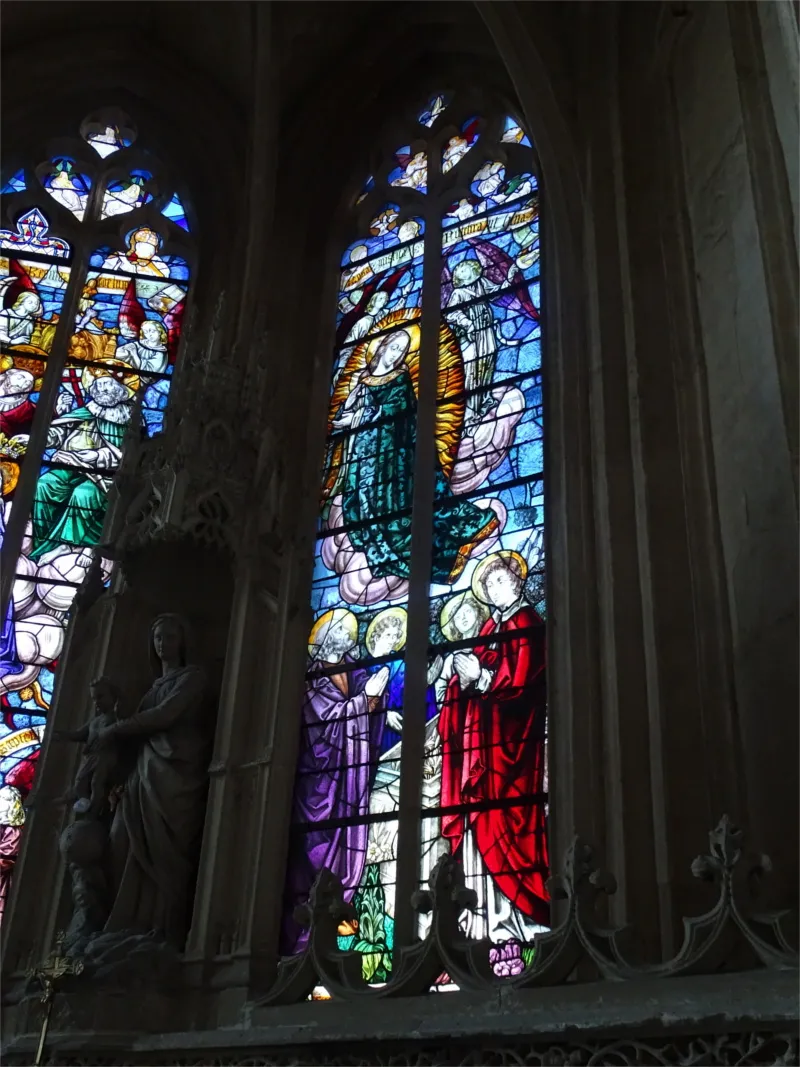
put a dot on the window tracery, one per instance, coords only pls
(94, 277)
(444, 276)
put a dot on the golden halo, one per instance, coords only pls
(110, 368)
(513, 561)
(403, 321)
(9, 476)
(323, 625)
(388, 613)
(451, 606)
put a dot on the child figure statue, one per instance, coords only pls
(96, 772)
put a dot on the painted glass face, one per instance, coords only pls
(108, 373)
(482, 715)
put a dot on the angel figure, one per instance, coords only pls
(371, 466)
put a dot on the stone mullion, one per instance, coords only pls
(37, 443)
(416, 652)
(708, 723)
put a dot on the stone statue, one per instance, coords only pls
(133, 848)
(155, 832)
(100, 761)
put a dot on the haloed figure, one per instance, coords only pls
(373, 469)
(492, 727)
(342, 723)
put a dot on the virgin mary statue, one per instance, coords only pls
(155, 834)
(371, 463)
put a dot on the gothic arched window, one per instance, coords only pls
(94, 273)
(425, 689)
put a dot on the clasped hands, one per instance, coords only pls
(377, 682)
(468, 668)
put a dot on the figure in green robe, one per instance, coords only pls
(69, 503)
(376, 469)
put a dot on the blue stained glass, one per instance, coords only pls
(411, 171)
(513, 133)
(15, 184)
(385, 231)
(126, 194)
(458, 146)
(142, 256)
(434, 108)
(68, 186)
(490, 189)
(503, 247)
(175, 212)
(369, 185)
(487, 570)
(119, 367)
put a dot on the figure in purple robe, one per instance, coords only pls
(342, 725)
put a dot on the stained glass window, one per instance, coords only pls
(88, 345)
(470, 598)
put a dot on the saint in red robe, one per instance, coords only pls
(493, 750)
(19, 419)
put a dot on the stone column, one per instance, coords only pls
(740, 227)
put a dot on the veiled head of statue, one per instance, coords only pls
(169, 639)
(390, 353)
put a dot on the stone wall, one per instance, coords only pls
(667, 139)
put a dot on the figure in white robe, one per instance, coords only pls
(17, 322)
(474, 326)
